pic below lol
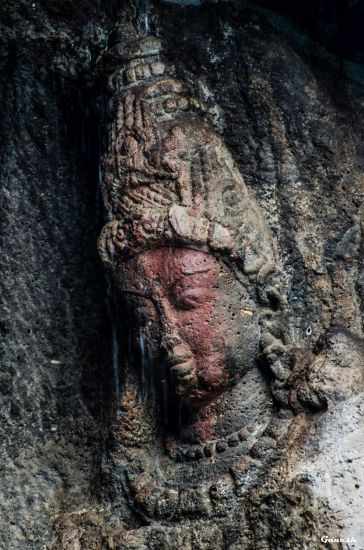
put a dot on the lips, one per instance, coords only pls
(179, 355)
(182, 369)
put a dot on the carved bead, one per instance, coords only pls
(158, 68)
(139, 72)
(147, 71)
(183, 103)
(130, 75)
(170, 105)
(221, 446)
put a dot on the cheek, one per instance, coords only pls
(222, 337)
(203, 330)
(242, 343)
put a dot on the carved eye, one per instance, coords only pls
(183, 103)
(170, 105)
(192, 298)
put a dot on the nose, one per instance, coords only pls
(172, 343)
(168, 323)
(178, 352)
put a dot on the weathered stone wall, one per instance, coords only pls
(55, 336)
(292, 121)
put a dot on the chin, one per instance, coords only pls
(200, 398)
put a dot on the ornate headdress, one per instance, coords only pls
(168, 177)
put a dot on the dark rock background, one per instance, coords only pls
(288, 86)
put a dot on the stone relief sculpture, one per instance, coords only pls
(215, 404)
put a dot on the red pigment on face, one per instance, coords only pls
(184, 283)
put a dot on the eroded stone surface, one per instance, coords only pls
(188, 250)
(237, 475)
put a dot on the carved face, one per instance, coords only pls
(194, 318)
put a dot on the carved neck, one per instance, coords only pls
(244, 410)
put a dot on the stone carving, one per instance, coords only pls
(215, 402)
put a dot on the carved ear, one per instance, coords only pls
(110, 242)
(269, 287)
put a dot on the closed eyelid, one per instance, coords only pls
(191, 272)
(199, 293)
(196, 279)
(184, 286)
(191, 298)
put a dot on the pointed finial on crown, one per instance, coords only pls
(135, 62)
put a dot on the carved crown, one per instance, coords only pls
(138, 61)
(168, 177)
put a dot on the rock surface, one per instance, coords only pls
(292, 120)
